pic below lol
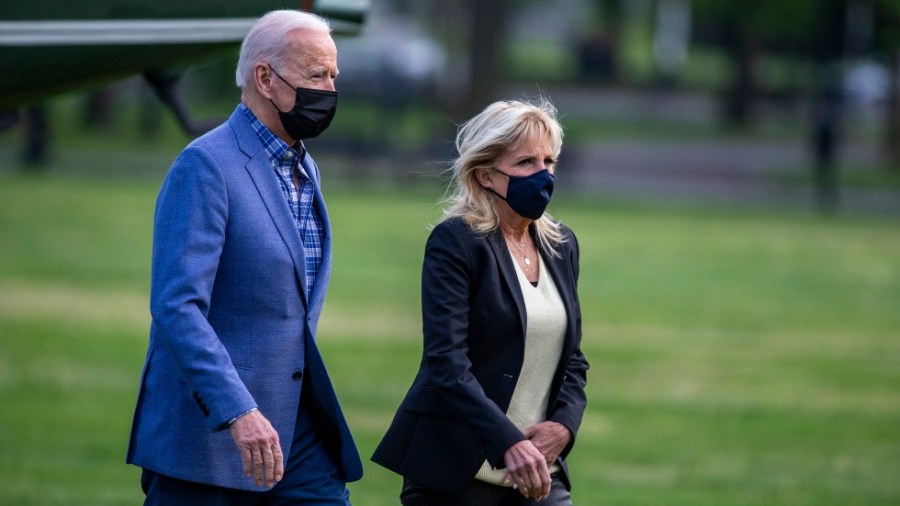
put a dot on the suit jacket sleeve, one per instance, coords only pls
(445, 312)
(189, 234)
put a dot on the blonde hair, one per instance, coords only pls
(268, 40)
(501, 127)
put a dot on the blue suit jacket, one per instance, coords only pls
(232, 328)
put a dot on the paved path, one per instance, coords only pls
(744, 172)
(720, 172)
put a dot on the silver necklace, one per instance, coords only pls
(521, 247)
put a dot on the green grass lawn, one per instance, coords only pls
(741, 358)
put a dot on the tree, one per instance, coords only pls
(887, 40)
(487, 32)
(745, 29)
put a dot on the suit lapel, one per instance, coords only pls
(508, 273)
(261, 172)
(558, 270)
(317, 298)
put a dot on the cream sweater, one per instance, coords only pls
(544, 333)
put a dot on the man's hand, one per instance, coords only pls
(550, 438)
(527, 470)
(260, 450)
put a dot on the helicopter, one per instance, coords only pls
(52, 47)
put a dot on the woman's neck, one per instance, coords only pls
(516, 229)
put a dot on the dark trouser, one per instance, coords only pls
(311, 478)
(479, 493)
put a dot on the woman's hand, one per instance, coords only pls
(550, 438)
(526, 469)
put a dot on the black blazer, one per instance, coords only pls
(454, 415)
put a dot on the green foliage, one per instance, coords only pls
(793, 21)
(887, 20)
(737, 358)
(799, 25)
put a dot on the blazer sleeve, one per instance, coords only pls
(572, 400)
(189, 234)
(445, 314)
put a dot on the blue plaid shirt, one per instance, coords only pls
(284, 160)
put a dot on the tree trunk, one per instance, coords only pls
(486, 35)
(739, 97)
(34, 153)
(598, 48)
(893, 114)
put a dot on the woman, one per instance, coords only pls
(499, 395)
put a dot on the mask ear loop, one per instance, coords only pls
(497, 194)
(284, 81)
(491, 189)
(279, 77)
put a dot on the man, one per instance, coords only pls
(235, 404)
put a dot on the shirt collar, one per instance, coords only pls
(275, 147)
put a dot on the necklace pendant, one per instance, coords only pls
(527, 261)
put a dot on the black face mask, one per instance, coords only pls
(312, 112)
(528, 196)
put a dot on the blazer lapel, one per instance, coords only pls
(317, 298)
(558, 270)
(508, 272)
(260, 170)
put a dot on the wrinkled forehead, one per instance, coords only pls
(307, 47)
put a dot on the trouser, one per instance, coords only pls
(311, 477)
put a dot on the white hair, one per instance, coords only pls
(268, 40)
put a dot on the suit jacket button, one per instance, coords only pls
(298, 375)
